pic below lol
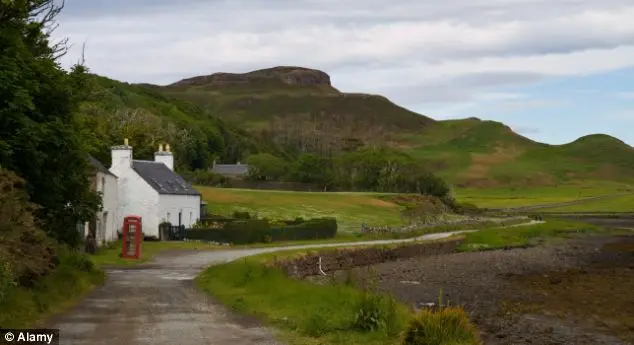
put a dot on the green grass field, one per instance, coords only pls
(517, 197)
(354, 209)
(350, 209)
(619, 203)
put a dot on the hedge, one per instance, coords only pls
(260, 230)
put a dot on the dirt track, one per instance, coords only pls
(579, 292)
(157, 304)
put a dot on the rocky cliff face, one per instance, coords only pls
(277, 75)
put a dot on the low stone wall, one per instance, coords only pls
(348, 258)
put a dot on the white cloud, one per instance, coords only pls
(411, 51)
(626, 95)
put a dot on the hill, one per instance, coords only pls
(298, 108)
(290, 110)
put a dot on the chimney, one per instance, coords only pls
(164, 157)
(121, 157)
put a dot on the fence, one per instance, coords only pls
(169, 232)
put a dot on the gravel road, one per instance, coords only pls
(158, 304)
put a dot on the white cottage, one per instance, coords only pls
(153, 191)
(104, 226)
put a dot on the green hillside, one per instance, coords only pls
(472, 152)
(147, 117)
(290, 110)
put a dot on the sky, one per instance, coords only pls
(551, 70)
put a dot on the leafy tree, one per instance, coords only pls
(312, 168)
(265, 166)
(39, 138)
(430, 184)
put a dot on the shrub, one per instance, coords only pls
(203, 177)
(260, 230)
(317, 324)
(242, 215)
(24, 247)
(76, 259)
(466, 209)
(447, 326)
(7, 281)
(376, 312)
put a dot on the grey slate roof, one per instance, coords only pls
(162, 179)
(98, 166)
(231, 169)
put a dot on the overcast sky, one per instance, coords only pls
(553, 70)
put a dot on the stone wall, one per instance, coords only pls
(348, 258)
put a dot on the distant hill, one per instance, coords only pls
(298, 108)
(288, 110)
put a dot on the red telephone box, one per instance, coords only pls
(132, 235)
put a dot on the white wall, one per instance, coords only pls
(109, 215)
(106, 219)
(137, 198)
(189, 205)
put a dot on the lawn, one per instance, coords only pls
(350, 209)
(517, 197)
(109, 256)
(619, 203)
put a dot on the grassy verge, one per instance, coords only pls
(109, 256)
(307, 313)
(618, 203)
(524, 236)
(22, 307)
(333, 313)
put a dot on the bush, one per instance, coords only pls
(76, 259)
(447, 326)
(242, 215)
(74, 276)
(466, 208)
(376, 313)
(24, 248)
(260, 230)
(7, 281)
(203, 177)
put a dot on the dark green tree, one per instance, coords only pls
(312, 168)
(266, 167)
(39, 137)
